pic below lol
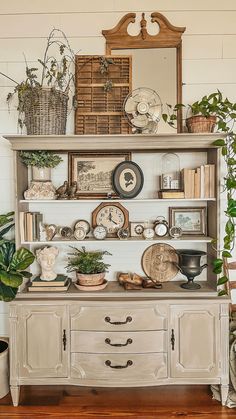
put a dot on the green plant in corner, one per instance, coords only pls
(12, 262)
(86, 262)
(40, 159)
(224, 112)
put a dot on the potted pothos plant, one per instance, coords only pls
(224, 112)
(89, 266)
(43, 94)
(13, 263)
(41, 163)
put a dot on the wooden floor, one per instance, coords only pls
(138, 403)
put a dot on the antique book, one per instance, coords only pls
(170, 194)
(49, 288)
(60, 281)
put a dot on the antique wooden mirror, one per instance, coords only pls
(160, 70)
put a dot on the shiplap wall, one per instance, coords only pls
(209, 52)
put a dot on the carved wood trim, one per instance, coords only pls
(169, 36)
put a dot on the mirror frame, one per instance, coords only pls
(169, 36)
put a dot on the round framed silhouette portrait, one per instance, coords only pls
(127, 179)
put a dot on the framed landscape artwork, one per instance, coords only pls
(93, 172)
(191, 220)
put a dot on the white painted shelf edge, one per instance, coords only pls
(81, 201)
(192, 239)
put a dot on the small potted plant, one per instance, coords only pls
(205, 114)
(43, 94)
(41, 163)
(88, 265)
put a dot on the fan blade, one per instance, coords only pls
(154, 112)
(140, 121)
(151, 128)
(130, 105)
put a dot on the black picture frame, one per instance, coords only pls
(127, 189)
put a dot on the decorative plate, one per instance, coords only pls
(127, 179)
(158, 262)
(91, 287)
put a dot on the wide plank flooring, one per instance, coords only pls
(70, 402)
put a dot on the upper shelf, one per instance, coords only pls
(112, 142)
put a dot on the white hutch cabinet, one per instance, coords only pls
(115, 337)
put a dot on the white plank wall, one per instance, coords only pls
(209, 53)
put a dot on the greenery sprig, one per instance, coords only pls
(40, 158)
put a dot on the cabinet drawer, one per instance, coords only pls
(119, 368)
(121, 342)
(122, 316)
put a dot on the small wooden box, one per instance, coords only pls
(100, 111)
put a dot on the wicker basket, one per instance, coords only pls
(201, 123)
(45, 112)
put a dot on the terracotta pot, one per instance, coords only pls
(41, 174)
(4, 370)
(201, 123)
(90, 279)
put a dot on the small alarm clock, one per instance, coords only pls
(79, 233)
(148, 233)
(123, 233)
(100, 232)
(84, 224)
(161, 226)
(175, 232)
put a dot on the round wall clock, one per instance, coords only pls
(113, 216)
(127, 179)
(159, 262)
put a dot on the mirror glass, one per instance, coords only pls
(155, 68)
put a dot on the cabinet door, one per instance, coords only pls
(43, 351)
(194, 341)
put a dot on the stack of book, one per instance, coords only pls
(61, 283)
(29, 225)
(199, 182)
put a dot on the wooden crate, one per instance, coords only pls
(99, 111)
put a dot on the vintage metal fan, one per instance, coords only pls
(143, 109)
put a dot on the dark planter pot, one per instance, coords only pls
(201, 123)
(189, 265)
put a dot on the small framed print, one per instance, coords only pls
(127, 179)
(191, 220)
(93, 172)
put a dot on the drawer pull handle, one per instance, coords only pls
(128, 320)
(64, 339)
(172, 339)
(128, 342)
(128, 364)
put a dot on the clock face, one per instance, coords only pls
(100, 232)
(111, 217)
(161, 229)
(148, 233)
(123, 233)
(84, 224)
(79, 233)
(139, 229)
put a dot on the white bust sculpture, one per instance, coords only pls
(46, 257)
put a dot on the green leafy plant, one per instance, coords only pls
(86, 262)
(54, 72)
(40, 158)
(6, 224)
(225, 112)
(211, 105)
(12, 262)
